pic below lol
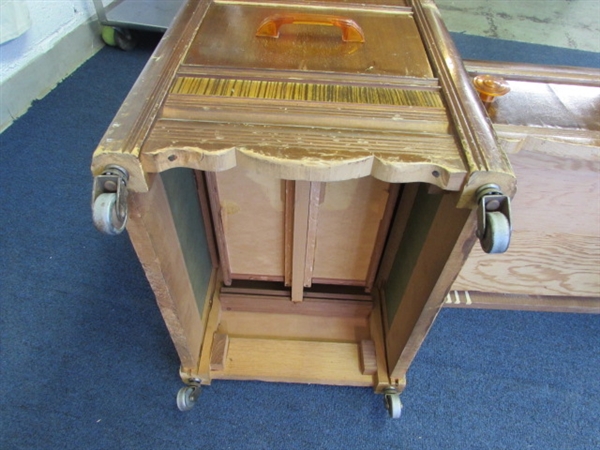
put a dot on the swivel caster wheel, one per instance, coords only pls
(493, 219)
(496, 237)
(105, 215)
(187, 396)
(393, 403)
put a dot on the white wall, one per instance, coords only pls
(62, 36)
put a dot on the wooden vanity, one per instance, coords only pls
(302, 199)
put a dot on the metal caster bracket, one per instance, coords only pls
(494, 221)
(109, 200)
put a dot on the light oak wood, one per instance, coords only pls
(317, 191)
(218, 354)
(252, 211)
(555, 246)
(368, 358)
(270, 304)
(352, 211)
(300, 240)
(293, 361)
(273, 325)
(288, 239)
(382, 234)
(381, 378)
(203, 371)
(554, 303)
(219, 227)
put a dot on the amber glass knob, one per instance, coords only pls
(490, 86)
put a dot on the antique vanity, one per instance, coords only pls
(303, 182)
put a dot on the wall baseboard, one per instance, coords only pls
(35, 80)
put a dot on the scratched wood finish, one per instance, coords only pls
(310, 48)
(308, 109)
(386, 113)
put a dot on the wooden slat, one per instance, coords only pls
(300, 240)
(316, 192)
(382, 234)
(308, 92)
(218, 354)
(294, 361)
(293, 326)
(211, 239)
(219, 229)
(214, 317)
(312, 307)
(290, 194)
(381, 378)
(368, 358)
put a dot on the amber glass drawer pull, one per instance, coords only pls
(351, 32)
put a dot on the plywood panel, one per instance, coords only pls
(555, 248)
(252, 211)
(294, 362)
(349, 219)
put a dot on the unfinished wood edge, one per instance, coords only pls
(206, 216)
(311, 239)
(218, 354)
(282, 305)
(294, 361)
(214, 318)
(300, 238)
(382, 234)
(288, 238)
(381, 379)
(405, 204)
(219, 228)
(516, 302)
(368, 358)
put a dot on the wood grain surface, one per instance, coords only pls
(555, 247)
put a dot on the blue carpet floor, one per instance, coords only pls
(86, 361)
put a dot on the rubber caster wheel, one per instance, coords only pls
(187, 396)
(105, 214)
(119, 37)
(496, 237)
(393, 405)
